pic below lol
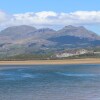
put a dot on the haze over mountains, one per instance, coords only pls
(27, 39)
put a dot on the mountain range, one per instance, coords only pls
(27, 39)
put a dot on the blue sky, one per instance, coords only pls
(20, 6)
(12, 7)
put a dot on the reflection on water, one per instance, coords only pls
(50, 82)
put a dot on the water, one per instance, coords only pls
(50, 82)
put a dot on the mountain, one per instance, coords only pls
(71, 36)
(27, 39)
(15, 33)
(80, 32)
(17, 30)
(43, 33)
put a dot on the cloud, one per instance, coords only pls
(3, 17)
(50, 18)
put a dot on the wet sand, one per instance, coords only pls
(53, 62)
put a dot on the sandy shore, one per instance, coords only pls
(53, 62)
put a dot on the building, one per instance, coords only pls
(69, 53)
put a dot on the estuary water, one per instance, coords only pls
(50, 82)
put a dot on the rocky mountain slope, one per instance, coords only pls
(27, 39)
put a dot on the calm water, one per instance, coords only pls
(50, 82)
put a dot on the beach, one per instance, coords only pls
(53, 62)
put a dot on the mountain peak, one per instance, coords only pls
(45, 30)
(74, 27)
(79, 31)
(82, 27)
(21, 27)
(17, 30)
(69, 27)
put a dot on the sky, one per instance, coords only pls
(51, 13)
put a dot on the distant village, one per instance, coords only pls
(76, 52)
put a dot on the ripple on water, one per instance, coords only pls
(17, 76)
(77, 74)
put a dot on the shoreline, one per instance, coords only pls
(53, 62)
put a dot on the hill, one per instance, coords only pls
(25, 39)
